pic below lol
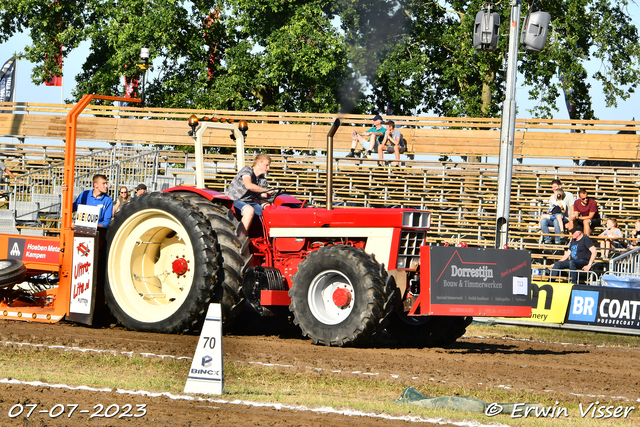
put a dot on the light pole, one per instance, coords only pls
(507, 131)
(144, 65)
(485, 37)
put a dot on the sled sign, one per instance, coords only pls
(33, 250)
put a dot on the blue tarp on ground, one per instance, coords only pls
(411, 396)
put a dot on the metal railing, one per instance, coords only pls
(39, 192)
(627, 264)
(550, 274)
(122, 171)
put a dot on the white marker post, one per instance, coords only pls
(206, 375)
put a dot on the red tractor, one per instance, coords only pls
(344, 274)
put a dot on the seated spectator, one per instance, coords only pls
(392, 143)
(556, 220)
(123, 198)
(141, 189)
(613, 237)
(557, 210)
(585, 212)
(580, 255)
(369, 139)
(4, 170)
(634, 241)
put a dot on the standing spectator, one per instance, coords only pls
(5, 170)
(585, 212)
(97, 197)
(4, 189)
(374, 137)
(123, 198)
(545, 221)
(580, 255)
(612, 235)
(392, 143)
(141, 189)
(248, 190)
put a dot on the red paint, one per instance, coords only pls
(274, 298)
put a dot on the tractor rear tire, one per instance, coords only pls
(340, 296)
(426, 331)
(12, 271)
(235, 254)
(162, 265)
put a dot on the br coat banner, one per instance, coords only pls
(604, 306)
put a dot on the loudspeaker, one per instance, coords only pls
(535, 31)
(486, 31)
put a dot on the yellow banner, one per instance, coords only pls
(550, 302)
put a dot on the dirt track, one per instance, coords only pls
(569, 373)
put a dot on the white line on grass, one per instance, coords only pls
(93, 350)
(277, 406)
(165, 356)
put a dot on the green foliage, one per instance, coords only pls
(429, 63)
(353, 56)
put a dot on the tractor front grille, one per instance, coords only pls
(409, 248)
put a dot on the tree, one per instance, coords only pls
(599, 30)
(295, 59)
(272, 55)
(433, 66)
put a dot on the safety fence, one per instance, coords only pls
(627, 264)
(566, 276)
(35, 199)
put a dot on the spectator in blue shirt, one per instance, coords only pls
(369, 139)
(97, 197)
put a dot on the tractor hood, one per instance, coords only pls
(280, 216)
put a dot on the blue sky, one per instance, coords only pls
(26, 91)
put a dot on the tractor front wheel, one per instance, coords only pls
(162, 265)
(340, 296)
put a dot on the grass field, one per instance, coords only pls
(268, 384)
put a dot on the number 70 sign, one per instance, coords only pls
(206, 375)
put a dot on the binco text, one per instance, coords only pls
(592, 410)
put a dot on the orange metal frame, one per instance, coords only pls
(60, 297)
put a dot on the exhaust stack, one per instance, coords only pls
(332, 131)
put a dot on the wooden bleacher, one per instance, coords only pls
(301, 131)
(460, 195)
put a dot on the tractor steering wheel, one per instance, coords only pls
(276, 191)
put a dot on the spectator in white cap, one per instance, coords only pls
(369, 139)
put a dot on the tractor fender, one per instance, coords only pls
(212, 196)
